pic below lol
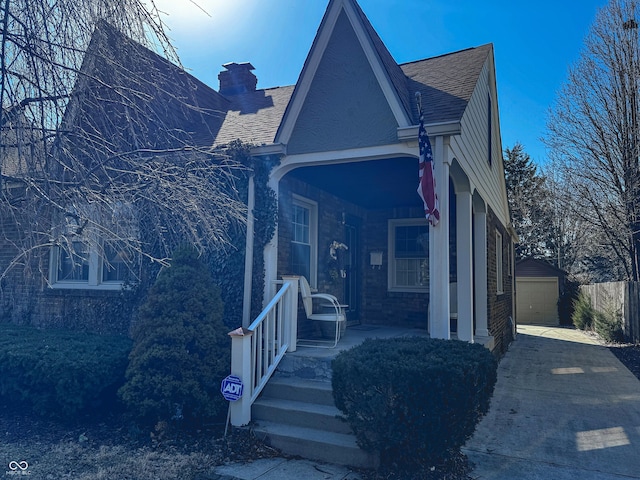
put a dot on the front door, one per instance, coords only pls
(352, 267)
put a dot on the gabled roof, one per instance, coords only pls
(535, 267)
(189, 108)
(385, 69)
(446, 83)
(125, 83)
(254, 117)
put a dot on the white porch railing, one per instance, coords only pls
(256, 352)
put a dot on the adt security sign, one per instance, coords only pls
(231, 388)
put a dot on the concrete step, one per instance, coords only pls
(299, 389)
(300, 414)
(306, 367)
(330, 447)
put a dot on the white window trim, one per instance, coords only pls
(391, 248)
(312, 206)
(94, 281)
(499, 264)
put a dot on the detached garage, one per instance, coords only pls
(538, 286)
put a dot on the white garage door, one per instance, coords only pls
(537, 300)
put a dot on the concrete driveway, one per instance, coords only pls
(564, 407)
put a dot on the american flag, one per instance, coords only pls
(427, 185)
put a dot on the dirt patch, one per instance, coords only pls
(629, 355)
(114, 447)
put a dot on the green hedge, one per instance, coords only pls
(60, 373)
(413, 400)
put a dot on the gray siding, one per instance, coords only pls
(471, 147)
(345, 107)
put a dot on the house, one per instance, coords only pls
(539, 286)
(340, 148)
(345, 137)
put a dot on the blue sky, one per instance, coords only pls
(534, 42)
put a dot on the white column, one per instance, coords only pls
(248, 256)
(464, 246)
(480, 254)
(291, 311)
(439, 251)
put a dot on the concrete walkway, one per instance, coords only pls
(564, 407)
(282, 469)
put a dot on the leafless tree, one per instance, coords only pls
(103, 140)
(594, 133)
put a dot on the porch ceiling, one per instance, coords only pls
(375, 184)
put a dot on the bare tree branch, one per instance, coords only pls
(594, 136)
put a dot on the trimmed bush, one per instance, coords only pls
(583, 313)
(60, 373)
(413, 400)
(181, 350)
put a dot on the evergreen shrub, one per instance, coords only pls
(609, 326)
(566, 301)
(181, 349)
(583, 313)
(61, 373)
(413, 400)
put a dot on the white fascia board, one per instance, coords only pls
(269, 149)
(342, 156)
(410, 133)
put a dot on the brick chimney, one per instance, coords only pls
(237, 78)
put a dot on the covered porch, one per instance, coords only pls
(397, 270)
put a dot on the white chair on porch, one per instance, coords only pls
(328, 309)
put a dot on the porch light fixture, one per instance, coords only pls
(375, 259)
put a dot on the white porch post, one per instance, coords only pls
(480, 272)
(291, 314)
(248, 257)
(439, 250)
(240, 410)
(464, 245)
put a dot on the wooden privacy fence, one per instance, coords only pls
(623, 298)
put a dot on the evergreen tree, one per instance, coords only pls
(529, 204)
(181, 350)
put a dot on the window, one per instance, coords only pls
(84, 260)
(82, 265)
(499, 272)
(304, 241)
(408, 255)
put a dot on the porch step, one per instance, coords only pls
(298, 416)
(300, 390)
(307, 367)
(314, 444)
